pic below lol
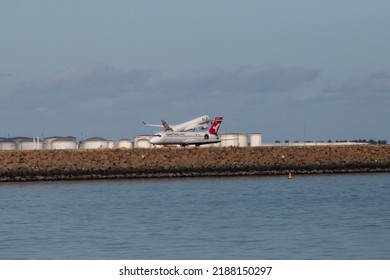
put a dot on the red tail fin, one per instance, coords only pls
(215, 125)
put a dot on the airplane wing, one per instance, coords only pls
(148, 124)
(197, 123)
(164, 124)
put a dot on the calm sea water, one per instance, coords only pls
(308, 217)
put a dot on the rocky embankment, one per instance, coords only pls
(181, 162)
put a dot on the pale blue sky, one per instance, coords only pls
(296, 70)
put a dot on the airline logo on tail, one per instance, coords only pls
(166, 126)
(215, 125)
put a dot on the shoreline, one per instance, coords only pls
(56, 165)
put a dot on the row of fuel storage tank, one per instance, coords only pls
(61, 143)
(36, 143)
(140, 141)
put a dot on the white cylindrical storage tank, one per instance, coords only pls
(255, 140)
(142, 141)
(30, 144)
(229, 140)
(7, 145)
(47, 142)
(242, 140)
(59, 143)
(64, 143)
(94, 143)
(111, 144)
(125, 144)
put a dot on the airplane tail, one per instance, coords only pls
(215, 125)
(166, 126)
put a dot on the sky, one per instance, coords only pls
(291, 70)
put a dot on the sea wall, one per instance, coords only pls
(180, 162)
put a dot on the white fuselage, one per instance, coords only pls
(200, 122)
(184, 138)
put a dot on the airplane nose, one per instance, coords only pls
(155, 140)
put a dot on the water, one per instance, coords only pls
(308, 217)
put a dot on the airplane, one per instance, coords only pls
(201, 122)
(183, 138)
